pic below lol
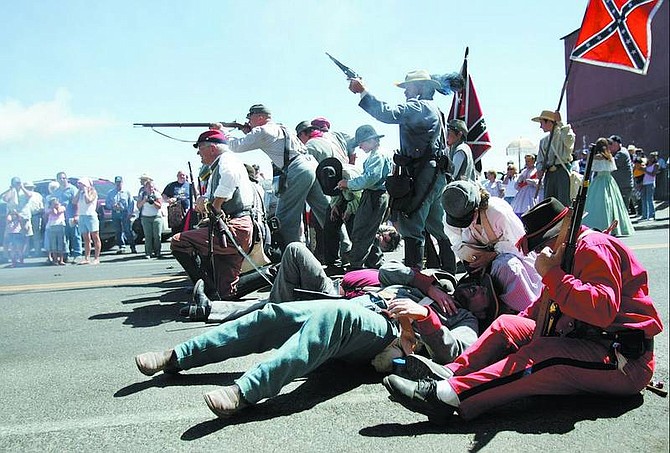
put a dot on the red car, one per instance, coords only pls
(103, 187)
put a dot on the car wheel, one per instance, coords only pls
(108, 243)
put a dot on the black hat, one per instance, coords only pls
(484, 280)
(542, 223)
(446, 280)
(304, 126)
(258, 108)
(329, 173)
(616, 138)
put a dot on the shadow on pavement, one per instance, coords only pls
(146, 315)
(180, 380)
(536, 415)
(329, 381)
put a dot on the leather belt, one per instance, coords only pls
(238, 214)
(648, 344)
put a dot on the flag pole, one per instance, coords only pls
(557, 111)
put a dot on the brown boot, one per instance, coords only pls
(225, 401)
(151, 363)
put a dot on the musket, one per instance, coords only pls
(233, 124)
(194, 190)
(350, 73)
(549, 310)
(216, 218)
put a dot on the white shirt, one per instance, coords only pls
(84, 208)
(232, 174)
(505, 224)
(270, 139)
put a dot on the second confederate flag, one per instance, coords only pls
(466, 107)
(617, 34)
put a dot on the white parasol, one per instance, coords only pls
(520, 147)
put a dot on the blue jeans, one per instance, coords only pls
(72, 240)
(305, 335)
(124, 232)
(648, 210)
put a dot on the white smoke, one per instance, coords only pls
(53, 117)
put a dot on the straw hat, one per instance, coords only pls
(420, 75)
(547, 115)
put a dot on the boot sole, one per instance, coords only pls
(439, 418)
(417, 368)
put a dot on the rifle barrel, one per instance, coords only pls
(224, 123)
(172, 124)
(578, 212)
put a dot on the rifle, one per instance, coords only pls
(549, 310)
(218, 225)
(546, 155)
(234, 125)
(190, 221)
(350, 73)
(195, 190)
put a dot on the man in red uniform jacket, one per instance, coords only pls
(609, 352)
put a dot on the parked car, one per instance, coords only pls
(103, 187)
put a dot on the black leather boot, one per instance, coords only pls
(447, 256)
(189, 264)
(197, 268)
(413, 253)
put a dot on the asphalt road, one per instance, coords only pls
(69, 335)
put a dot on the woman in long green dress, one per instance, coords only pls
(604, 202)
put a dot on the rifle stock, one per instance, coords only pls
(549, 312)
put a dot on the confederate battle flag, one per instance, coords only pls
(617, 34)
(465, 106)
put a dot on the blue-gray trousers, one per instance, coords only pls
(305, 334)
(430, 216)
(301, 187)
(365, 250)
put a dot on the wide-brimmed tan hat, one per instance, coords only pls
(420, 75)
(547, 115)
